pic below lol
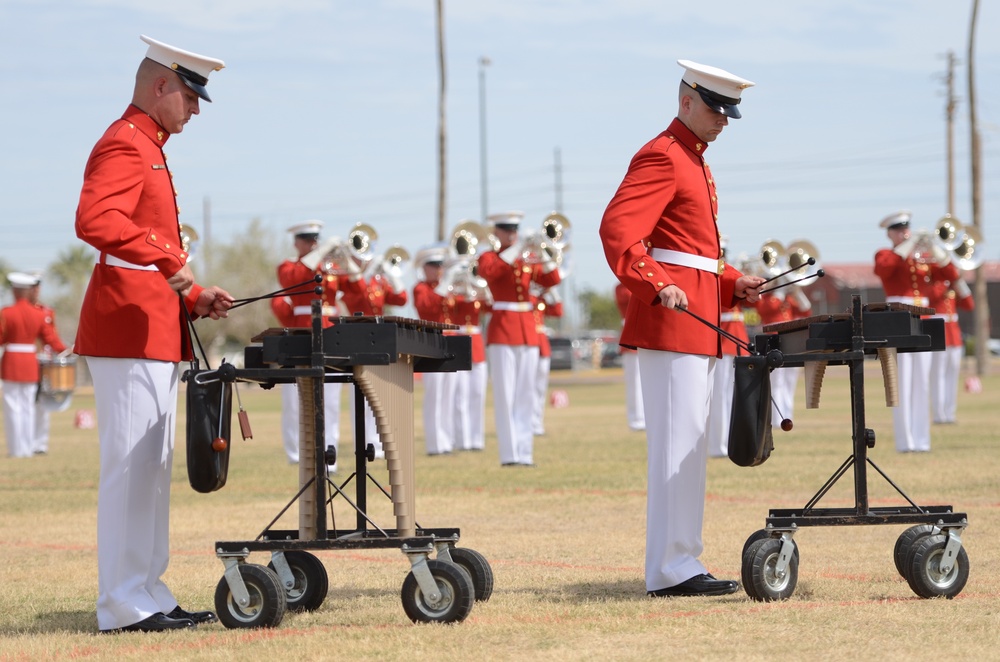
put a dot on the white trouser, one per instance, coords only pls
(437, 421)
(371, 428)
(541, 394)
(136, 414)
(514, 370)
(19, 417)
(911, 418)
(721, 408)
(676, 391)
(290, 418)
(783, 381)
(42, 427)
(461, 416)
(634, 410)
(470, 408)
(945, 369)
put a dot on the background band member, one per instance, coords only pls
(661, 239)
(21, 326)
(634, 413)
(908, 273)
(947, 299)
(433, 307)
(292, 272)
(789, 303)
(470, 385)
(512, 336)
(731, 321)
(42, 409)
(133, 331)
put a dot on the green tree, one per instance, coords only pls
(599, 310)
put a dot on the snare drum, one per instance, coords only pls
(58, 375)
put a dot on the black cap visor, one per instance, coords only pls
(509, 227)
(720, 104)
(194, 81)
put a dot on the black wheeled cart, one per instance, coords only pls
(929, 554)
(377, 356)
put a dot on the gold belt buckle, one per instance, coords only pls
(722, 265)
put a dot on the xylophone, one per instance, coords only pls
(929, 554)
(379, 355)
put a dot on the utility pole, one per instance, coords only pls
(206, 230)
(442, 131)
(950, 114)
(982, 302)
(483, 180)
(557, 168)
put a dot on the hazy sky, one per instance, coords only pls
(328, 110)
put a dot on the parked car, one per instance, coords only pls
(611, 355)
(562, 353)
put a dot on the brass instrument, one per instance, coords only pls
(470, 238)
(390, 266)
(772, 258)
(969, 255)
(798, 254)
(189, 237)
(460, 277)
(550, 243)
(361, 241)
(949, 231)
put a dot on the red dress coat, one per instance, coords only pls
(370, 296)
(466, 314)
(622, 297)
(732, 323)
(908, 278)
(946, 304)
(668, 200)
(430, 305)
(293, 272)
(128, 210)
(23, 323)
(510, 284)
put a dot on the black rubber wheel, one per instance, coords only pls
(267, 599)
(925, 576)
(455, 587)
(904, 542)
(479, 570)
(759, 578)
(311, 581)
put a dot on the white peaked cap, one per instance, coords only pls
(506, 218)
(306, 227)
(437, 252)
(719, 89)
(892, 220)
(191, 67)
(20, 280)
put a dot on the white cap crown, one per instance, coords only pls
(191, 67)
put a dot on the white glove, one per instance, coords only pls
(906, 247)
(941, 256)
(961, 288)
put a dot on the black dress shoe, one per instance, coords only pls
(155, 623)
(697, 585)
(198, 617)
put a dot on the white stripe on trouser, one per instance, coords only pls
(676, 392)
(634, 411)
(541, 391)
(290, 418)
(783, 381)
(136, 417)
(19, 417)
(911, 418)
(371, 428)
(721, 409)
(513, 368)
(945, 369)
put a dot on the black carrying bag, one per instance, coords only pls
(209, 415)
(750, 441)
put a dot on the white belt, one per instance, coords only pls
(912, 301)
(701, 262)
(946, 317)
(471, 330)
(20, 348)
(328, 311)
(112, 261)
(513, 306)
(731, 317)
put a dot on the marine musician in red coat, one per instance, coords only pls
(133, 332)
(634, 412)
(512, 336)
(947, 298)
(908, 272)
(434, 307)
(22, 326)
(661, 239)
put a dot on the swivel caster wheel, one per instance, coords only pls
(479, 571)
(454, 602)
(928, 559)
(761, 534)
(311, 582)
(761, 579)
(266, 606)
(904, 542)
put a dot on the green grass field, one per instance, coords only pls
(565, 540)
